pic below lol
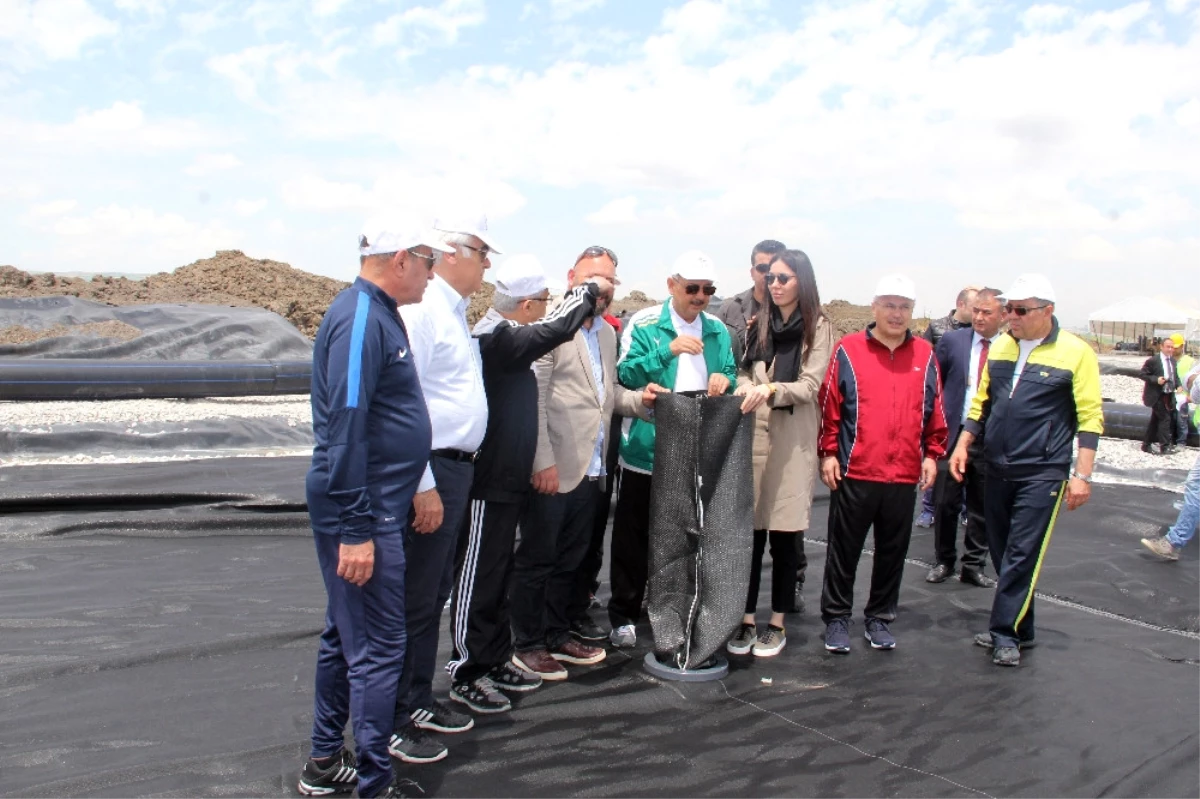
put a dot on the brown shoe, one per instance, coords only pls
(572, 651)
(539, 662)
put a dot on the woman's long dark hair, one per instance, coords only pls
(808, 305)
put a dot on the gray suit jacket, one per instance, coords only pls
(569, 408)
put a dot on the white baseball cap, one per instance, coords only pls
(695, 265)
(390, 234)
(1030, 285)
(520, 276)
(469, 224)
(896, 286)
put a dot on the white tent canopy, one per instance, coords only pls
(1143, 316)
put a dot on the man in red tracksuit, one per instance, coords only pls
(882, 432)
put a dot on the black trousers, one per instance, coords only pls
(428, 580)
(948, 500)
(593, 560)
(555, 531)
(801, 559)
(1161, 429)
(783, 570)
(629, 563)
(1020, 517)
(480, 626)
(854, 508)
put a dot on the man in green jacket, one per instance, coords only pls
(680, 349)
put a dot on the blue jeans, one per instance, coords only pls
(1189, 517)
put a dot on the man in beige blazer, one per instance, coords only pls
(577, 393)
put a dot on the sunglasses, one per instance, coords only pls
(597, 252)
(483, 251)
(1021, 310)
(783, 279)
(762, 269)
(696, 288)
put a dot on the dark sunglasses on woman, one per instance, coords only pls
(696, 288)
(783, 279)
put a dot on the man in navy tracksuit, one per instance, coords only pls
(372, 436)
(511, 337)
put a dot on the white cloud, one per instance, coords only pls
(249, 207)
(153, 8)
(565, 9)
(1094, 248)
(621, 211)
(327, 8)
(54, 208)
(59, 28)
(120, 126)
(419, 27)
(1045, 16)
(207, 163)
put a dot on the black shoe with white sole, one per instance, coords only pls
(440, 717)
(412, 745)
(480, 696)
(509, 678)
(330, 775)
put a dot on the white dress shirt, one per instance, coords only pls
(973, 371)
(691, 373)
(591, 337)
(1025, 347)
(451, 372)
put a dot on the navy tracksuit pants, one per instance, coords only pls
(430, 558)
(1020, 517)
(360, 658)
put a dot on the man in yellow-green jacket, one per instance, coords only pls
(1040, 391)
(682, 349)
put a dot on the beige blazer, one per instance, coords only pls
(569, 408)
(785, 444)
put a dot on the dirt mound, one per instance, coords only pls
(117, 331)
(228, 278)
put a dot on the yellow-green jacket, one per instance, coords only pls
(1028, 432)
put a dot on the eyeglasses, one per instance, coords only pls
(597, 252)
(696, 288)
(483, 251)
(762, 269)
(431, 257)
(1021, 310)
(783, 279)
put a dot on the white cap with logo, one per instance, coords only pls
(387, 234)
(468, 224)
(520, 276)
(695, 265)
(1029, 286)
(896, 286)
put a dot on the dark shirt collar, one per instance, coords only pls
(376, 293)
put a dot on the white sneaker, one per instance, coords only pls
(624, 636)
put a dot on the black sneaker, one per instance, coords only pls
(508, 677)
(412, 745)
(587, 630)
(338, 775)
(442, 718)
(481, 696)
(400, 789)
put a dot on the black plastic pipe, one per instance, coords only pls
(68, 379)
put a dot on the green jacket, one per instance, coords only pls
(649, 360)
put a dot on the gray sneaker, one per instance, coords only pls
(624, 636)
(1162, 547)
(770, 643)
(412, 745)
(742, 640)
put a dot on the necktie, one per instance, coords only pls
(983, 351)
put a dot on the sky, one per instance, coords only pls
(956, 142)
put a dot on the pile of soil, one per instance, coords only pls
(232, 278)
(228, 278)
(114, 331)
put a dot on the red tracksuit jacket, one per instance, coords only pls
(881, 411)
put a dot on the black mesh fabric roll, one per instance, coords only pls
(701, 525)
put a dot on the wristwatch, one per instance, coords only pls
(1085, 478)
(771, 389)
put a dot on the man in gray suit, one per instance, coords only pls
(577, 393)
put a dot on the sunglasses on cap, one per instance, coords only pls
(783, 279)
(597, 252)
(696, 288)
(1021, 310)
